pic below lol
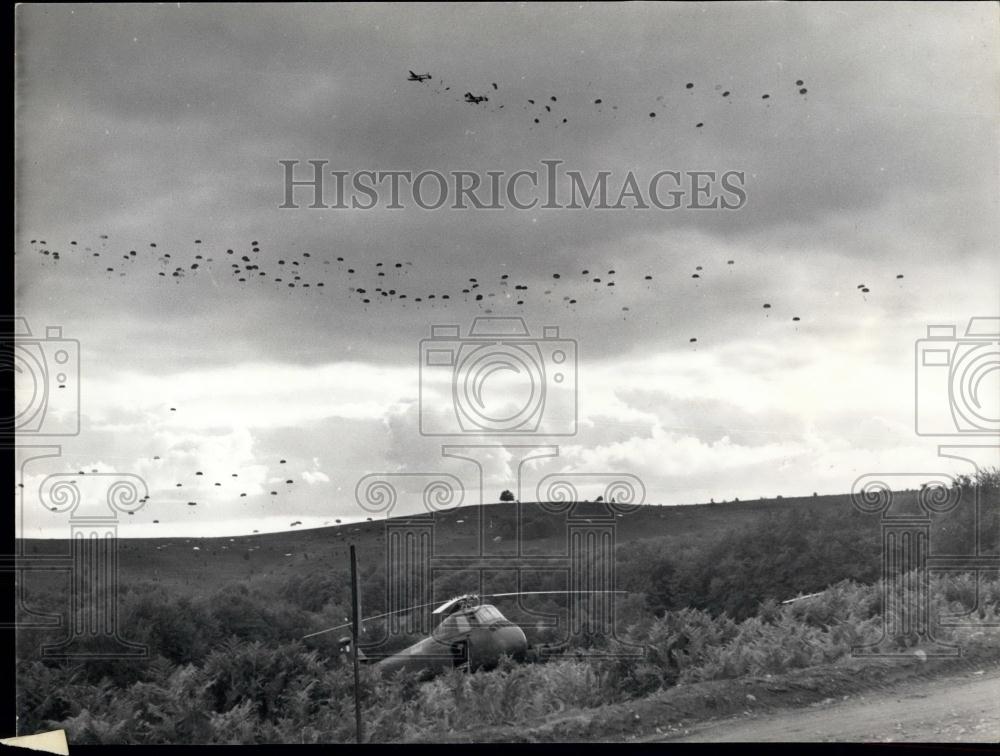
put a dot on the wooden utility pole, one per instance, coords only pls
(356, 633)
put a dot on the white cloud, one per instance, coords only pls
(250, 395)
(313, 478)
(745, 419)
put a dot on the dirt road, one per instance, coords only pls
(956, 708)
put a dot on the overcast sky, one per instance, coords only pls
(165, 124)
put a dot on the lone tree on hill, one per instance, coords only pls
(506, 496)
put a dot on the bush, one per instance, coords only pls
(230, 667)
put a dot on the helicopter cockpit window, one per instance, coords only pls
(488, 614)
(456, 623)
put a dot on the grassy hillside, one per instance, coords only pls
(224, 618)
(218, 561)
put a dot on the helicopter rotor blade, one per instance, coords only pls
(327, 630)
(366, 619)
(451, 601)
(539, 593)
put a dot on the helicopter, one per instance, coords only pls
(472, 635)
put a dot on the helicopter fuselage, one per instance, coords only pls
(474, 638)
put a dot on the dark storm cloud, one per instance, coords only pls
(199, 103)
(165, 124)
